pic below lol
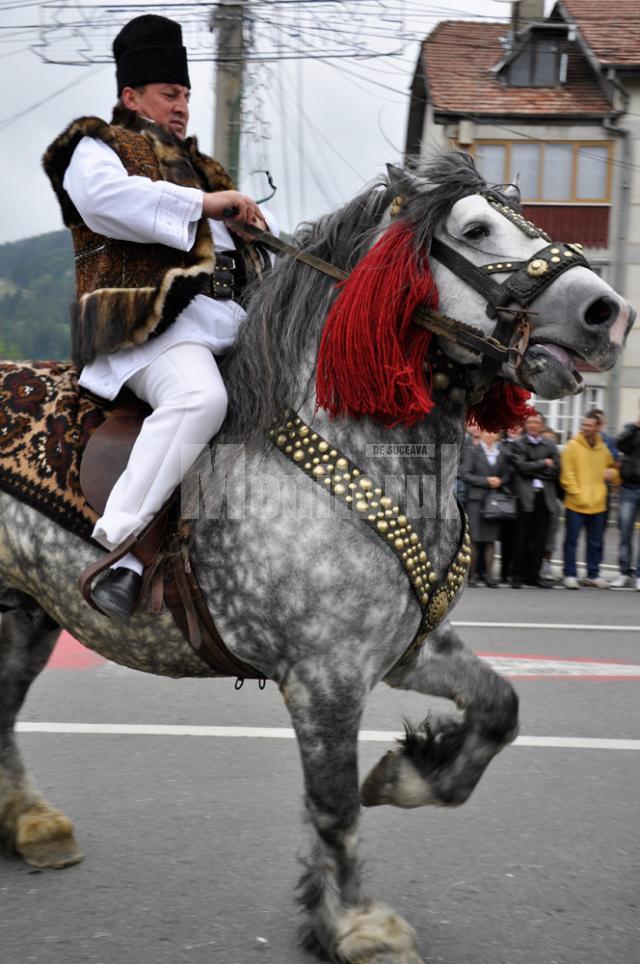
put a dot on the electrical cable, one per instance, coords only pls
(282, 114)
(13, 118)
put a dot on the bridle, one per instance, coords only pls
(527, 280)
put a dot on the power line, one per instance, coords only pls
(323, 142)
(542, 140)
(12, 53)
(350, 73)
(18, 6)
(299, 100)
(478, 119)
(13, 118)
(285, 153)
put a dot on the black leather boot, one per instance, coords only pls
(116, 592)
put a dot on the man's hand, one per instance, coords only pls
(549, 463)
(216, 203)
(609, 475)
(494, 481)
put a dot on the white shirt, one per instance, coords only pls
(131, 208)
(491, 454)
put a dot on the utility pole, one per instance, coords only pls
(227, 21)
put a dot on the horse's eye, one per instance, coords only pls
(476, 232)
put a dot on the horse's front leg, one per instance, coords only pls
(342, 926)
(441, 761)
(40, 833)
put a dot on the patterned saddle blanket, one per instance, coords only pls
(46, 420)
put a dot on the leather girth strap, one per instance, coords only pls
(170, 579)
(187, 604)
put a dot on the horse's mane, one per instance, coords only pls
(267, 371)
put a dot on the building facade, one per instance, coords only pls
(554, 103)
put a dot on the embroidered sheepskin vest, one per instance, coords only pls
(127, 292)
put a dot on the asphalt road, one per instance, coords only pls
(191, 841)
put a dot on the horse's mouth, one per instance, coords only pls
(570, 360)
(551, 371)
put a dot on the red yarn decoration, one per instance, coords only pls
(371, 357)
(503, 407)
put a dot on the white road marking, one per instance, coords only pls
(533, 666)
(581, 627)
(285, 733)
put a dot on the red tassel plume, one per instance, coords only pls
(503, 407)
(371, 357)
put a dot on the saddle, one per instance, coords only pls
(162, 547)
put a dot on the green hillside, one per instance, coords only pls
(36, 289)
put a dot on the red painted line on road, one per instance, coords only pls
(70, 654)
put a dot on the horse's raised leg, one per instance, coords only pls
(442, 761)
(342, 926)
(42, 835)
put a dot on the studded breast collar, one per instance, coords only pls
(347, 484)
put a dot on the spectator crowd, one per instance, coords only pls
(517, 488)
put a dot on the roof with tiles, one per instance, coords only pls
(458, 56)
(612, 29)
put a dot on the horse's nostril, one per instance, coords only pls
(601, 311)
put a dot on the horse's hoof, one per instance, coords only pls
(44, 838)
(394, 780)
(374, 934)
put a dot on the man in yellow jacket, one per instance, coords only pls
(586, 466)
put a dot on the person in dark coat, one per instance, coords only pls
(629, 509)
(508, 526)
(484, 467)
(536, 467)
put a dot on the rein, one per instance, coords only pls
(457, 331)
(527, 280)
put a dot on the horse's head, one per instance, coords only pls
(375, 359)
(575, 316)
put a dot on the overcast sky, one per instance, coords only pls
(323, 128)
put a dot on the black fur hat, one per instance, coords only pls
(148, 50)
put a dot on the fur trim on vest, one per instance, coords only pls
(127, 292)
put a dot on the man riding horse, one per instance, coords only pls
(154, 304)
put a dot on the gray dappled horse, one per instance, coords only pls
(314, 600)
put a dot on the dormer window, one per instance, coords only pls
(540, 63)
(536, 56)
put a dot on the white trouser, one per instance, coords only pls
(185, 390)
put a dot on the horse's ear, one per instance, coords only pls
(404, 182)
(512, 193)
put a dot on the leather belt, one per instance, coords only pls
(226, 282)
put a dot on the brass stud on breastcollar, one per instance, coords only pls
(537, 267)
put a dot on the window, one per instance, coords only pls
(525, 161)
(537, 65)
(591, 179)
(558, 171)
(490, 162)
(564, 415)
(573, 172)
